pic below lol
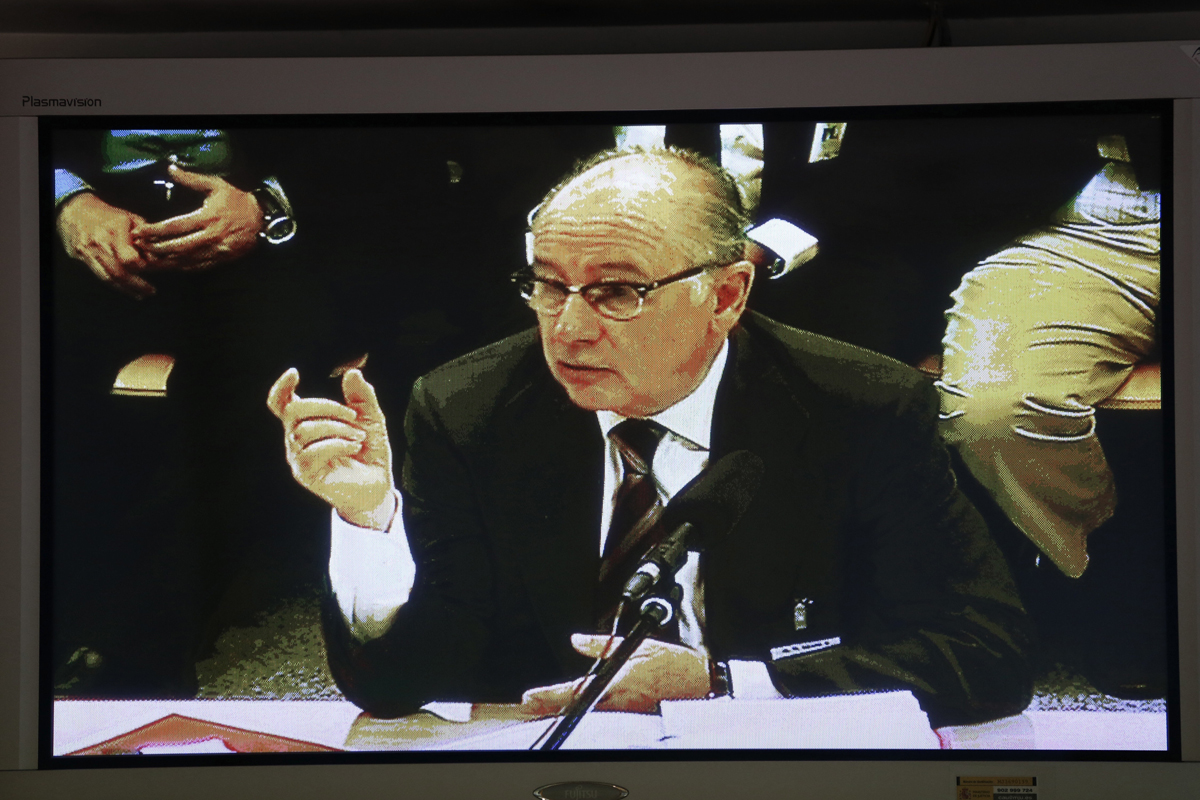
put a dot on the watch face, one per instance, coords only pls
(279, 230)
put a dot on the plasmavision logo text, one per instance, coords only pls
(29, 101)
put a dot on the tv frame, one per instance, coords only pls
(564, 83)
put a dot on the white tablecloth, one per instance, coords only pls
(82, 723)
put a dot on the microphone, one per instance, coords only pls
(701, 513)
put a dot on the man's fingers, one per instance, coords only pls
(101, 270)
(317, 456)
(361, 396)
(623, 697)
(547, 700)
(282, 391)
(188, 242)
(101, 237)
(185, 262)
(128, 255)
(592, 645)
(314, 430)
(100, 261)
(554, 690)
(105, 265)
(305, 408)
(196, 180)
(134, 285)
(172, 228)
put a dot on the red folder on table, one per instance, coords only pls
(177, 730)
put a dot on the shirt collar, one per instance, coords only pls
(691, 417)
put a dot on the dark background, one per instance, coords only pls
(175, 518)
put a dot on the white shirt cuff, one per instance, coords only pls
(371, 573)
(749, 680)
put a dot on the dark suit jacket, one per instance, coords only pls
(858, 513)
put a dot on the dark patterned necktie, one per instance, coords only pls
(633, 529)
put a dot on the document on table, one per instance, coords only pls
(891, 720)
(599, 730)
(443, 726)
(883, 720)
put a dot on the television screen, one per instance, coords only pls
(757, 434)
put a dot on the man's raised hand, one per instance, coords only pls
(339, 452)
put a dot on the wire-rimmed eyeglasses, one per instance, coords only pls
(616, 300)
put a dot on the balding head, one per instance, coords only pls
(643, 218)
(702, 205)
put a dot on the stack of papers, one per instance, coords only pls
(884, 720)
(890, 720)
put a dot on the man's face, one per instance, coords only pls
(632, 219)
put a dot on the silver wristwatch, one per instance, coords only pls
(279, 224)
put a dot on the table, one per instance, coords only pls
(79, 724)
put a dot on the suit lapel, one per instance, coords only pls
(756, 409)
(778, 553)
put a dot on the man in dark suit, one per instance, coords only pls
(858, 566)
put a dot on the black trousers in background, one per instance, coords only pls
(1111, 624)
(171, 516)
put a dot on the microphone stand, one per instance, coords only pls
(718, 496)
(655, 613)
